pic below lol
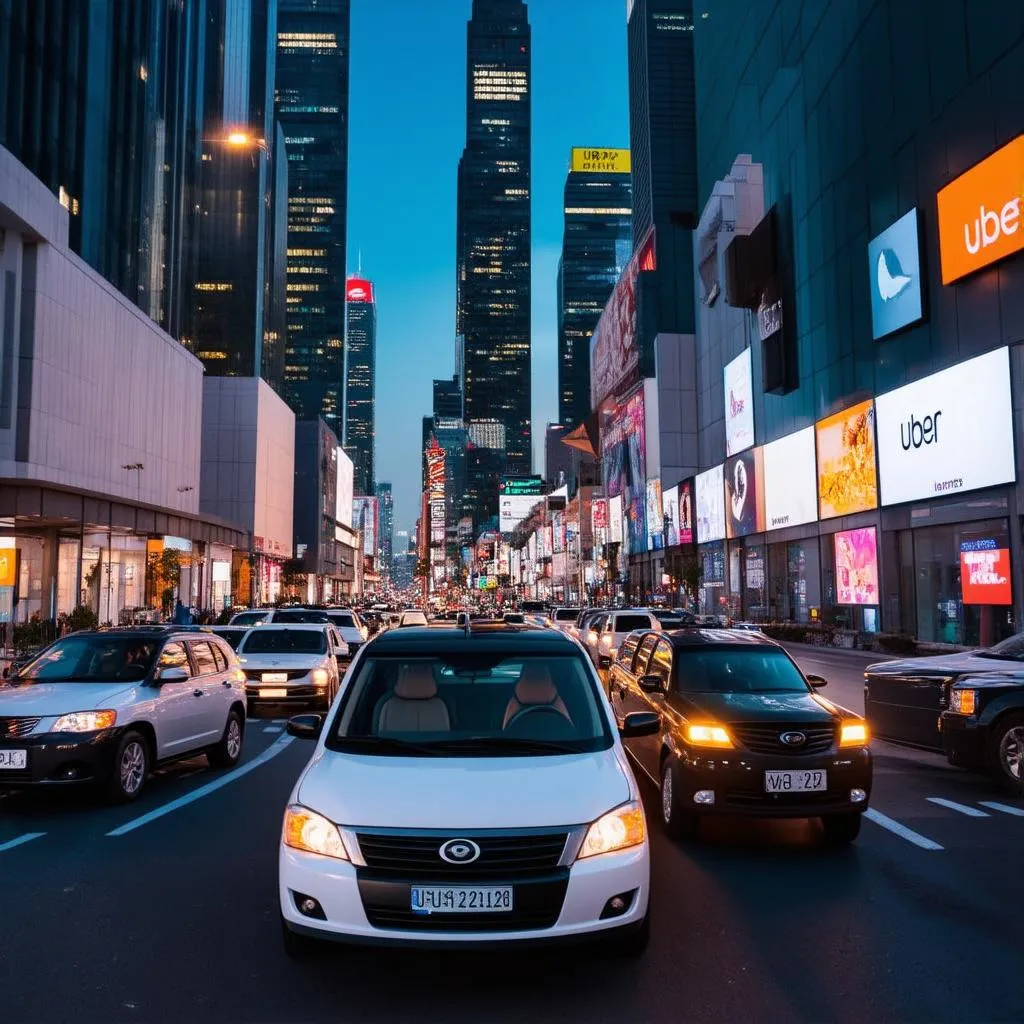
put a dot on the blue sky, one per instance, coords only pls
(407, 104)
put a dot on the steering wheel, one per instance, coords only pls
(530, 708)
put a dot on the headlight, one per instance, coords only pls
(617, 830)
(319, 676)
(306, 830)
(963, 702)
(84, 721)
(854, 734)
(708, 736)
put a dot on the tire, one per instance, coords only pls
(229, 750)
(1005, 751)
(632, 942)
(130, 770)
(677, 822)
(841, 829)
(296, 946)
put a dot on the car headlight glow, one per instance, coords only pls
(854, 734)
(319, 676)
(963, 702)
(313, 833)
(617, 830)
(708, 736)
(84, 721)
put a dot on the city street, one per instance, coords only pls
(167, 910)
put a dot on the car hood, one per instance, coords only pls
(762, 707)
(944, 665)
(363, 791)
(269, 662)
(45, 699)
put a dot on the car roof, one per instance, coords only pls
(710, 637)
(267, 627)
(489, 636)
(152, 631)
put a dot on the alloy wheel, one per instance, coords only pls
(133, 767)
(666, 793)
(234, 743)
(1011, 753)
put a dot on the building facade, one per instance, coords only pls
(386, 540)
(312, 89)
(360, 380)
(448, 398)
(597, 241)
(317, 544)
(493, 230)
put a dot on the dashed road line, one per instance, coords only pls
(20, 841)
(211, 787)
(902, 831)
(993, 805)
(273, 728)
(971, 812)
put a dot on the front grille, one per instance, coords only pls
(12, 728)
(536, 905)
(764, 738)
(503, 857)
(292, 673)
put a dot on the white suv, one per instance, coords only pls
(106, 706)
(350, 628)
(605, 634)
(466, 788)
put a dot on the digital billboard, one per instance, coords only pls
(710, 488)
(600, 161)
(670, 515)
(744, 494)
(949, 432)
(655, 517)
(847, 479)
(346, 477)
(599, 514)
(985, 572)
(364, 514)
(615, 520)
(435, 470)
(790, 480)
(856, 554)
(514, 508)
(739, 404)
(358, 289)
(686, 497)
(624, 455)
(894, 273)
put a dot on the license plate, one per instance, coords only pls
(13, 758)
(804, 781)
(461, 899)
(273, 693)
(274, 677)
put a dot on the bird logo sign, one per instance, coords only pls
(894, 261)
(890, 277)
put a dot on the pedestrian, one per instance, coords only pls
(182, 616)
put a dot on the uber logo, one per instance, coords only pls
(915, 433)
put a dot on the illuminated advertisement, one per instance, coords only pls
(615, 520)
(710, 488)
(346, 477)
(364, 514)
(513, 509)
(8, 567)
(358, 289)
(600, 161)
(948, 432)
(624, 456)
(614, 350)
(435, 470)
(686, 493)
(894, 272)
(744, 494)
(985, 572)
(599, 514)
(847, 480)
(979, 213)
(557, 533)
(790, 480)
(739, 404)
(670, 516)
(856, 567)
(655, 517)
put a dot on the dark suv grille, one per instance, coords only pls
(766, 739)
(503, 857)
(12, 728)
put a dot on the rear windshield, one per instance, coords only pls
(627, 623)
(477, 704)
(284, 641)
(232, 636)
(300, 617)
(737, 670)
(567, 614)
(342, 620)
(248, 618)
(414, 619)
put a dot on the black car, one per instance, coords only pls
(742, 732)
(904, 700)
(983, 727)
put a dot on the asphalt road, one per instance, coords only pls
(166, 911)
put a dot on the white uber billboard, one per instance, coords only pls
(790, 480)
(947, 433)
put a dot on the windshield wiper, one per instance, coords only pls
(382, 744)
(508, 743)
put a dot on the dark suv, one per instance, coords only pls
(742, 732)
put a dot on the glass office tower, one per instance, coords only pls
(385, 541)
(312, 105)
(360, 387)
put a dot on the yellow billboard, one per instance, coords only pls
(601, 161)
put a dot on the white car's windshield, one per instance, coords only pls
(284, 641)
(248, 618)
(473, 705)
(91, 659)
(343, 620)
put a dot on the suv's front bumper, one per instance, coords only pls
(963, 740)
(62, 758)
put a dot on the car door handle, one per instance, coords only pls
(197, 693)
(226, 683)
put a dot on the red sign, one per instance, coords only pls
(599, 515)
(358, 289)
(985, 576)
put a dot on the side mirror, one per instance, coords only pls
(640, 723)
(651, 684)
(172, 674)
(305, 727)
(817, 681)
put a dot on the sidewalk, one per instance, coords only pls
(866, 656)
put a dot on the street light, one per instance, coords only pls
(243, 140)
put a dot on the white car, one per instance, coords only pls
(606, 633)
(464, 790)
(411, 617)
(350, 628)
(564, 618)
(291, 616)
(106, 707)
(292, 664)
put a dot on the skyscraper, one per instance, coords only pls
(385, 540)
(312, 105)
(493, 230)
(663, 138)
(597, 241)
(360, 387)
(448, 398)
(238, 327)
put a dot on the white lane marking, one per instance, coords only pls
(971, 812)
(26, 838)
(901, 830)
(992, 805)
(211, 787)
(273, 728)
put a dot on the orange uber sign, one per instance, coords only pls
(980, 213)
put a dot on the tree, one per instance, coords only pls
(164, 576)
(691, 575)
(293, 576)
